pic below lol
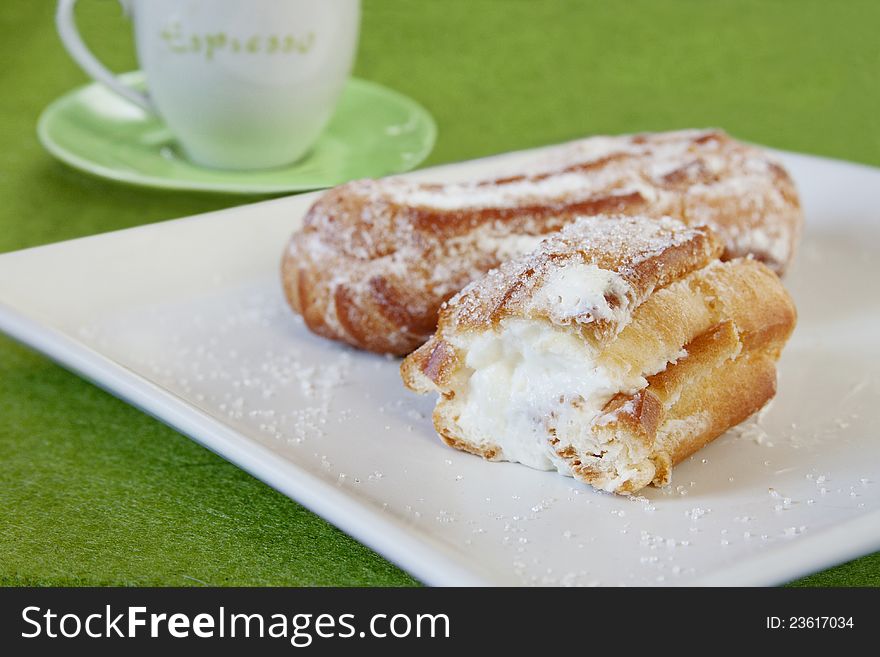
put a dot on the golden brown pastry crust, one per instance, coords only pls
(705, 334)
(375, 259)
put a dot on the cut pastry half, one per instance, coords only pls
(617, 348)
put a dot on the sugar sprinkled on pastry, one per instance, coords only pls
(618, 347)
(375, 258)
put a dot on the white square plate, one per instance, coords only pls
(186, 320)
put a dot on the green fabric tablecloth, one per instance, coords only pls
(94, 492)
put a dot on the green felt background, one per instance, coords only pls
(94, 492)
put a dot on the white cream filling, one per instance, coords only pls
(579, 292)
(532, 382)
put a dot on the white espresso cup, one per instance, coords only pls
(242, 84)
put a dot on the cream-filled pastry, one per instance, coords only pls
(618, 347)
(374, 259)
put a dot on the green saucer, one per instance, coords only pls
(375, 132)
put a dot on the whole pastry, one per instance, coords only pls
(374, 259)
(617, 348)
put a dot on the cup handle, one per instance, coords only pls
(66, 24)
